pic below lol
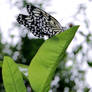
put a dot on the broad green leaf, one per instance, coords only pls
(45, 62)
(12, 78)
(23, 69)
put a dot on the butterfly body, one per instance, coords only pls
(39, 22)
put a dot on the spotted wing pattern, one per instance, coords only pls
(39, 22)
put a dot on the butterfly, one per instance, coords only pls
(39, 22)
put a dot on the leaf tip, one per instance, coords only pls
(6, 57)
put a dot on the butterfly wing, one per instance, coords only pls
(55, 25)
(28, 22)
(39, 22)
(22, 19)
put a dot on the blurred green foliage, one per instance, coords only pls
(29, 48)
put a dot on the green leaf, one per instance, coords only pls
(12, 78)
(44, 64)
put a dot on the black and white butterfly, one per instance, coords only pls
(39, 22)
